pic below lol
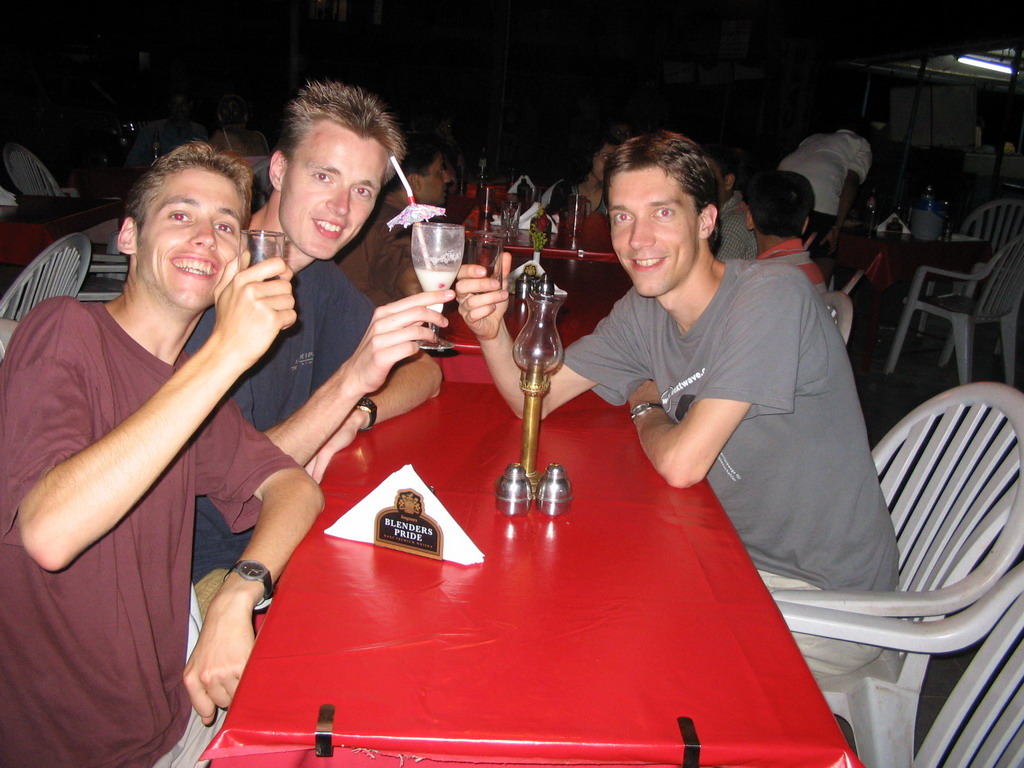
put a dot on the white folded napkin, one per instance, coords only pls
(549, 193)
(515, 273)
(527, 216)
(884, 226)
(358, 523)
(529, 182)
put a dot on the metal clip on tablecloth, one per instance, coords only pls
(691, 744)
(324, 728)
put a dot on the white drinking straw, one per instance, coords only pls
(405, 181)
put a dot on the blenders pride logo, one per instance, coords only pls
(404, 527)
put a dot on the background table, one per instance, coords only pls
(37, 221)
(106, 182)
(582, 638)
(888, 259)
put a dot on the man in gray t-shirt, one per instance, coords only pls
(796, 475)
(733, 371)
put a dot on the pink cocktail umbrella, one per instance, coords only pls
(414, 211)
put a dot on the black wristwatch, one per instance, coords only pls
(254, 570)
(640, 409)
(366, 404)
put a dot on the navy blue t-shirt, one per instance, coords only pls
(333, 316)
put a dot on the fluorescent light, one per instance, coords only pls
(986, 64)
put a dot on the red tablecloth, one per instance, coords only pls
(890, 259)
(36, 222)
(579, 639)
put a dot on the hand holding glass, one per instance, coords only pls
(436, 257)
(485, 248)
(263, 244)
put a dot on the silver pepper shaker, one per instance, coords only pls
(512, 491)
(554, 492)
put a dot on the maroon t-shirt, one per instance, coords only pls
(92, 656)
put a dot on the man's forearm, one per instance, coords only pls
(503, 369)
(84, 497)
(846, 198)
(306, 430)
(684, 452)
(565, 383)
(291, 502)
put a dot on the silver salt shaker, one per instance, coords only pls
(554, 492)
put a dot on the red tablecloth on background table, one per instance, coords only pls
(37, 221)
(888, 259)
(579, 639)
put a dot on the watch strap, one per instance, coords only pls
(370, 407)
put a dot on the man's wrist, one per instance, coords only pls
(368, 408)
(640, 409)
(238, 591)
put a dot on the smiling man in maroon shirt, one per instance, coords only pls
(109, 432)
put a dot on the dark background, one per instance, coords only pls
(521, 79)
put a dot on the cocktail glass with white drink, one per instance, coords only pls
(436, 256)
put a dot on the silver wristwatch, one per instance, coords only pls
(640, 409)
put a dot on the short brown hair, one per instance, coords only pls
(680, 158)
(348, 106)
(196, 155)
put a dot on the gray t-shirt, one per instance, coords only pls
(796, 477)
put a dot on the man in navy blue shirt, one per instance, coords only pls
(344, 365)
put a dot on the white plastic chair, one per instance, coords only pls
(998, 221)
(57, 271)
(841, 307)
(982, 721)
(7, 328)
(949, 472)
(1000, 299)
(29, 174)
(852, 282)
(946, 745)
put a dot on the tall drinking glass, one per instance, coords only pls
(436, 256)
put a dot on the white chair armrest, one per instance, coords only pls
(937, 636)
(930, 271)
(70, 192)
(938, 602)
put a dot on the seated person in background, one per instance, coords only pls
(343, 366)
(734, 239)
(778, 204)
(233, 136)
(159, 137)
(734, 372)
(379, 260)
(590, 172)
(108, 432)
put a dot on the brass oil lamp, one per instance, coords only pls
(538, 352)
